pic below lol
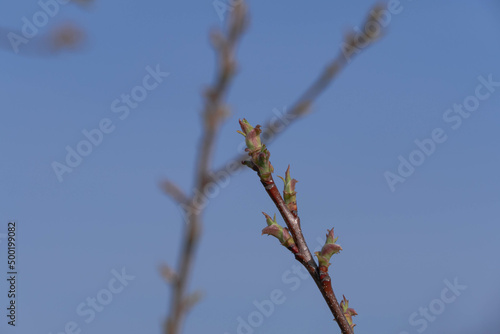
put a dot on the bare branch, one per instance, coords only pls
(64, 37)
(168, 274)
(214, 113)
(174, 192)
(177, 307)
(353, 44)
(215, 110)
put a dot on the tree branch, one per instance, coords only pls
(352, 45)
(259, 162)
(175, 192)
(213, 114)
(292, 222)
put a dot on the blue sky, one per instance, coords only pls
(403, 245)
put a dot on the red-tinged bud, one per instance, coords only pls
(289, 193)
(252, 136)
(282, 234)
(273, 228)
(348, 312)
(329, 248)
(259, 155)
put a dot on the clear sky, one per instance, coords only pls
(400, 155)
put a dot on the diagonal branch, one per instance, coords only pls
(175, 192)
(292, 222)
(353, 44)
(259, 162)
(320, 276)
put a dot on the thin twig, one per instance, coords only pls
(178, 301)
(292, 222)
(213, 115)
(65, 37)
(174, 192)
(321, 277)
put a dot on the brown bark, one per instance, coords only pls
(319, 274)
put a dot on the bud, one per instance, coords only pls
(263, 163)
(289, 193)
(282, 234)
(348, 312)
(329, 248)
(259, 155)
(252, 136)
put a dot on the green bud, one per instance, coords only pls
(348, 312)
(259, 155)
(252, 136)
(289, 193)
(277, 231)
(262, 161)
(329, 248)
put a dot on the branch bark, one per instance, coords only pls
(319, 274)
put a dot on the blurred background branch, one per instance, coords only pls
(353, 41)
(215, 111)
(32, 40)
